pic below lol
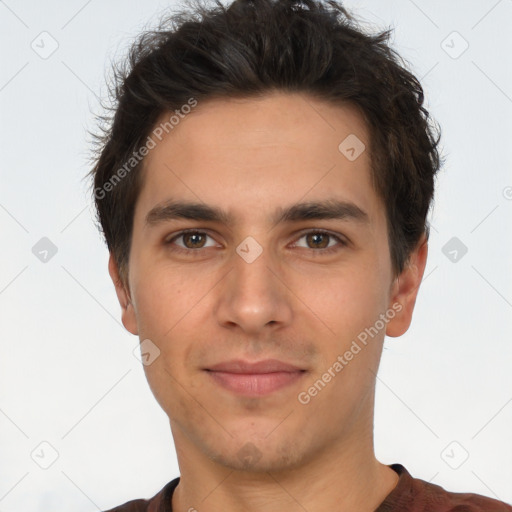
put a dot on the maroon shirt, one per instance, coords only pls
(409, 495)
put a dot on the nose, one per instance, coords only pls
(254, 296)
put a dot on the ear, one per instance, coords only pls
(128, 317)
(405, 289)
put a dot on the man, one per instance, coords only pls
(263, 191)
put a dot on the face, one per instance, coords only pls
(259, 277)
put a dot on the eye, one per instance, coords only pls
(320, 239)
(192, 240)
(317, 240)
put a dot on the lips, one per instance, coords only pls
(254, 379)
(266, 366)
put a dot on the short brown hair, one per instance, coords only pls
(253, 47)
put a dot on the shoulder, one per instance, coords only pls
(416, 495)
(160, 502)
(469, 502)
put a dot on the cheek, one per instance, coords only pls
(168, 310)
(346, 302)
(162, 318)
(160, 302)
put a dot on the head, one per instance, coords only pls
(277, 119)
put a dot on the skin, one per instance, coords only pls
(295, 303)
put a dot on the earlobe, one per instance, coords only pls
(128, 315)
(405, 290)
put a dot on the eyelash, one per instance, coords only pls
(330, 250)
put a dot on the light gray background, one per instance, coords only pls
(68, 375)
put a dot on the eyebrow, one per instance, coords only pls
(313, 210)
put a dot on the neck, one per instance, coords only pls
(346, 476)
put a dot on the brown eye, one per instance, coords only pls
(317, 240)
(193, 240)
(321, 241)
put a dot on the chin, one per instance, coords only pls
(259, 456)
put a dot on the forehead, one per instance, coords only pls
(252, 154)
